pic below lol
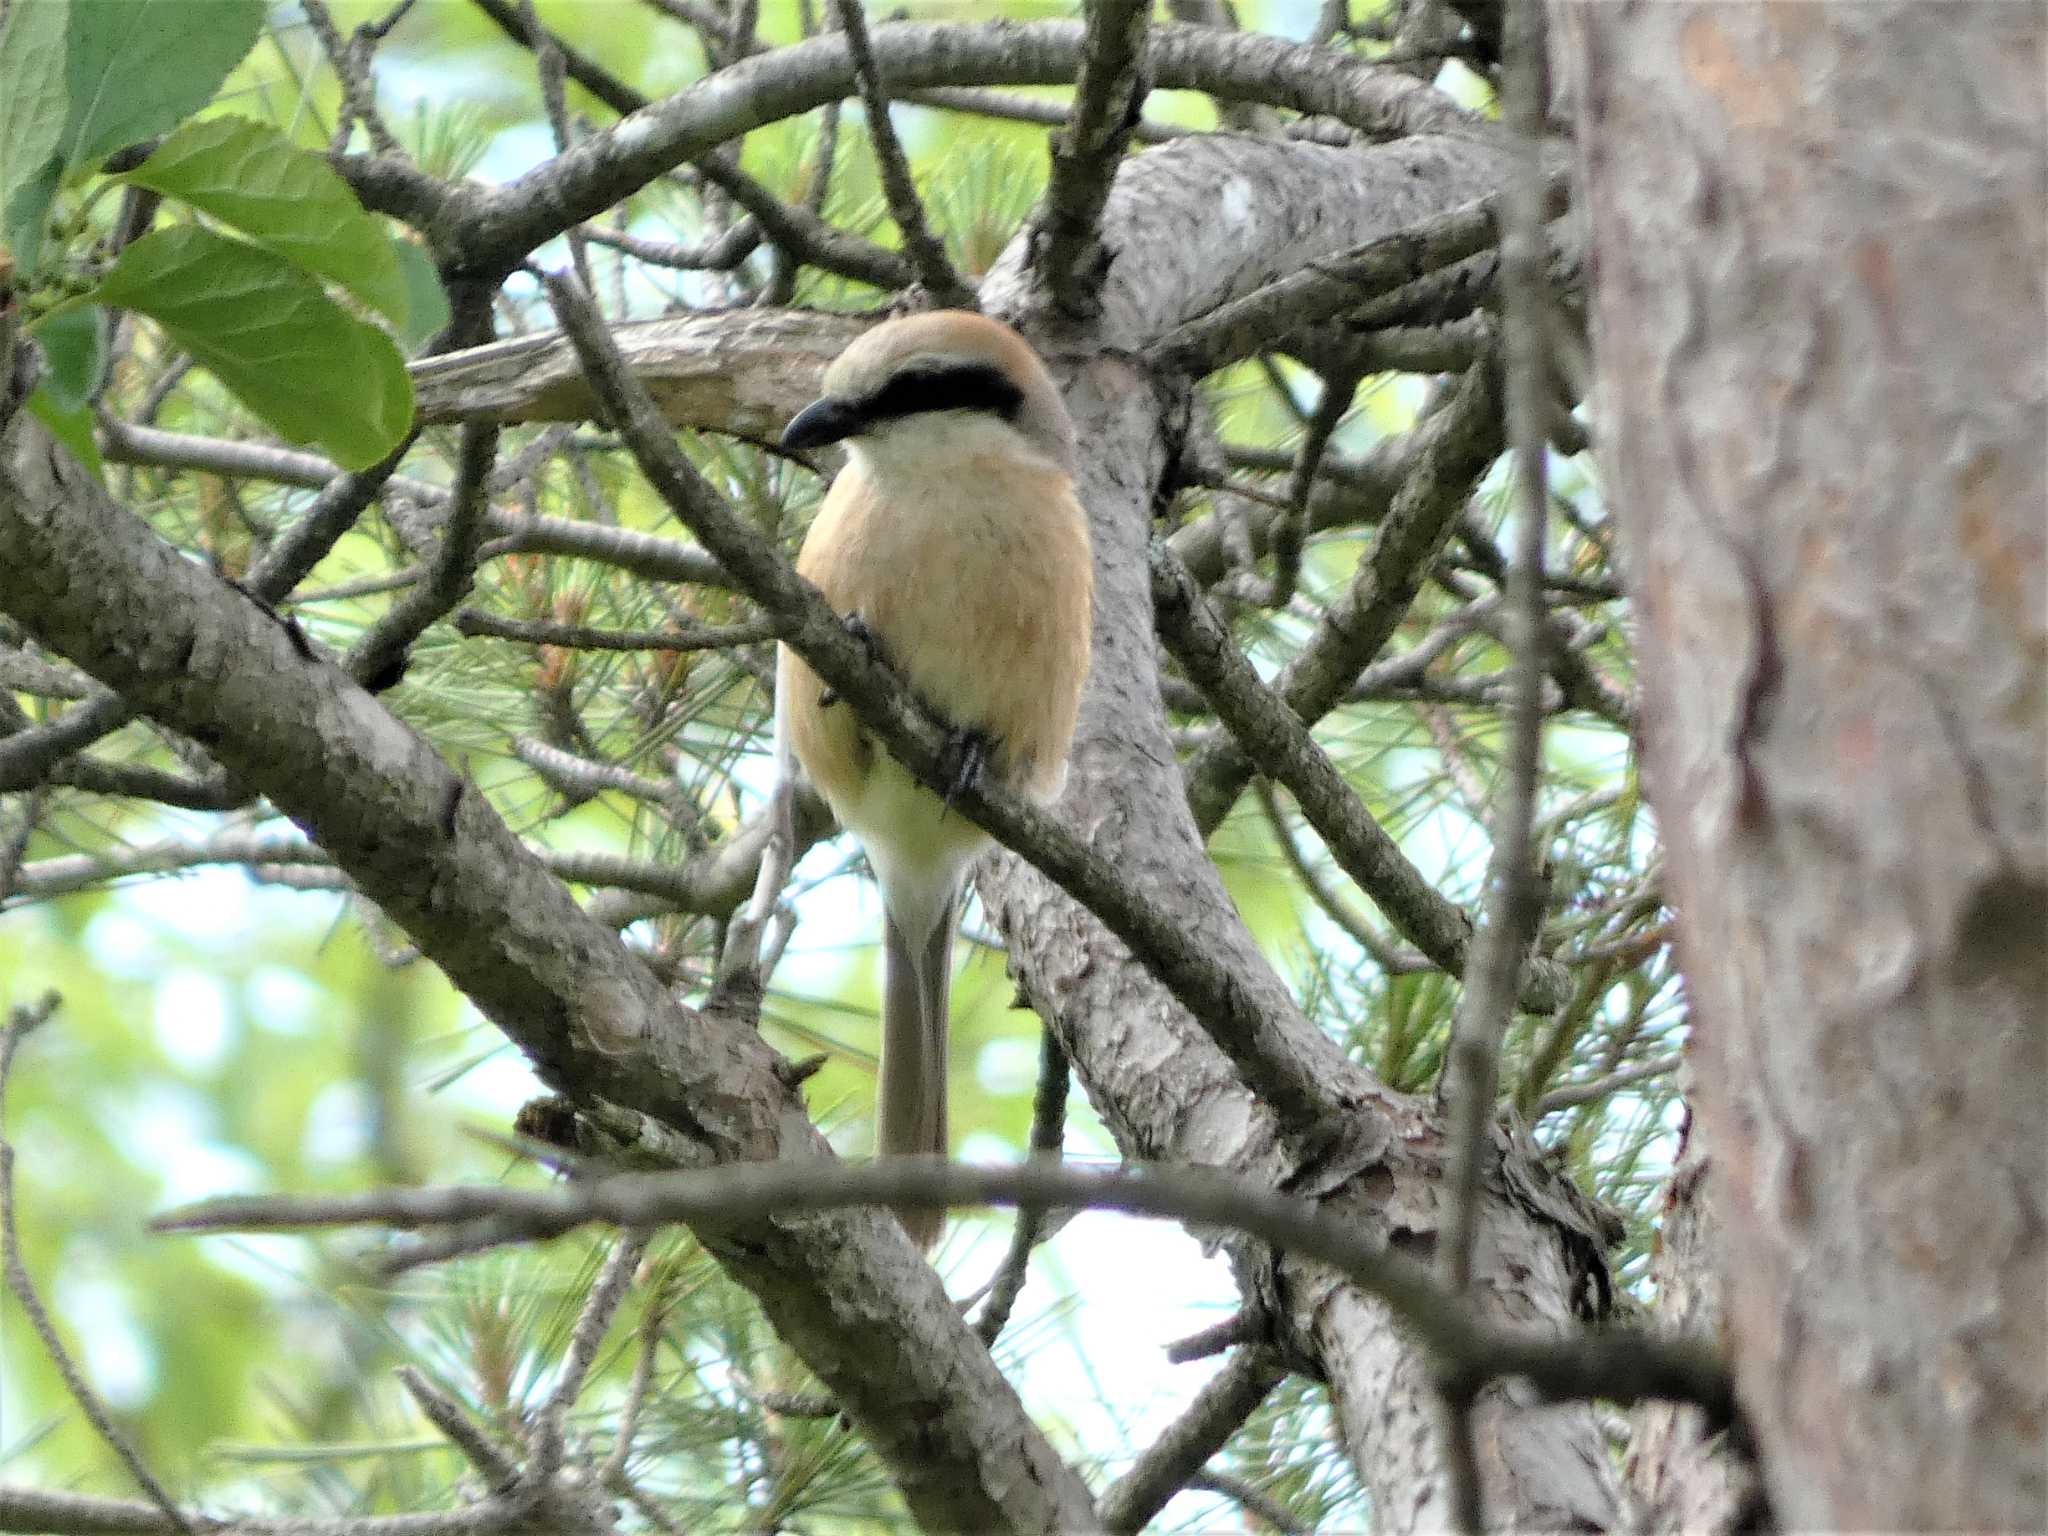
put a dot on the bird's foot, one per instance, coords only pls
(870, 642)
(966, 759)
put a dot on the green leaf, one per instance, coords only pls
(141, 67)
(71, 425)
(72, 345)
(269, 333)
(426, 306)
(32, 112)
(249, 176)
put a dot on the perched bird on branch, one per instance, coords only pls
(953, 541)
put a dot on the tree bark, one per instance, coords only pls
(1689, 1481)
(1164, 1088)
(1819, 248)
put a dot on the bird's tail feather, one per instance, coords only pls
(910, 1114)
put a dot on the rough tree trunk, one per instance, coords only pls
(1819, 244)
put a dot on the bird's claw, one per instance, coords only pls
(966, 760)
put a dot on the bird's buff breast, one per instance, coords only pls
(975, 581)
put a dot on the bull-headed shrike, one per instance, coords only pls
(954, 539)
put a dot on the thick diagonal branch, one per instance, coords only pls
(94, 584)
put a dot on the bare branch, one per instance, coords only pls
(1172, 1461)
(1327, 288)
(707, 637)
(1571, 1095)
(1290, 530)
(1048, 1137)
(478, 230)
(550, 1432)
(93, 583)
(1515, 885)
(1255, 1499)
(379, 656)
(1281, 746)
(1027, 109)
(1392, 962)
(1458, 446)
(1069, 257)
(721, 253)
(21, 1021)
(927, 255)
(499, 1471)
(805, 238)
(37, 1512)
(1621, 1365)
(358, 95)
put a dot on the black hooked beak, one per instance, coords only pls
(821, 422)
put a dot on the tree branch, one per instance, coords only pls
(927, 256)
(1459, 446)
(1204, 1427)
(1617, 1365)
(1281, 746)
(849, 1293)
(1069, 258)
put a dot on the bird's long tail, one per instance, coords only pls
(910, 1113)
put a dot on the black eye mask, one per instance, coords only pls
(913, 392)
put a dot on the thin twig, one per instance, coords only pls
(21, 1022)
(1454, 449)
(1203, 1428)
(1048, 1136)
(1513, 883)
(721, 253)
(648, 1338)
(803, 236)
(1257, 1502)
(585, 780)
(1619, 1364)
(14, 846)
(381, 650)
(550, 1432)
(1571, 1095)
(582, 637)
(1247, 1325)
(743, 939)
(1290, 530)
(499, 1471)
(1514, 893)
(1282, 747)
(350, 61)
(1391, 961)
(926, 254)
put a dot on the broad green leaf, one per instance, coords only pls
(22, 216)
(269, 333)
(32, 112)
(426, 307)
(249, 176)
(71, 425)
(72, 346)
(140, 67)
